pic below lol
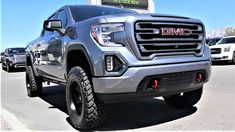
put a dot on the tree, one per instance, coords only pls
(230, 31)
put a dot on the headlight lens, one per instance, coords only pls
(104, 33)
(11, 58)
(226, 49)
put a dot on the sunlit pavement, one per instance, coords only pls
(215, 111)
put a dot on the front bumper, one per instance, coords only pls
(18, 64)
(129, 83)
(224, 56)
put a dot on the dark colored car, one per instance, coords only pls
(13, 58)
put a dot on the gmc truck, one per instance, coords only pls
(105, 55)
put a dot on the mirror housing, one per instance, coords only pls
(53, 25)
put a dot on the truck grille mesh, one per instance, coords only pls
(151, 41)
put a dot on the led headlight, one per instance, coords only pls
(226, 49)
(11, 58)
(104, 33)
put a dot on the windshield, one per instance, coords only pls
(213, 41)
(16, 50)
(227, 40)
(81, 13)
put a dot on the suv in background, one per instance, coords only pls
(13, 58)
(224, 50)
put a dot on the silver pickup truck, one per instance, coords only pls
(105, 55)
(13, 58)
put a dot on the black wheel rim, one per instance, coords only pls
(76, 98)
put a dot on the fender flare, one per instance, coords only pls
(77, 47)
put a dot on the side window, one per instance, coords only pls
(62, 16)
(46, 33)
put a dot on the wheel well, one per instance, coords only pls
(78, 58)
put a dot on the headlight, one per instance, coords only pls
(104, 33)
(226, 49)
(11, 58)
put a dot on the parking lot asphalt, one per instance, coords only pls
(215, 110)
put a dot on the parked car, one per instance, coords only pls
(224, 50)
(106, 55)
(212, 41)
(13, 58)
(2, 54)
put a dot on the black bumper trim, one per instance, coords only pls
(125, 97)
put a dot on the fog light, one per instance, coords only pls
(113, 63)
(109, 63)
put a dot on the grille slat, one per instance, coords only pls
(170, 50)
(168, 39)
(150, 39)
(167, 44)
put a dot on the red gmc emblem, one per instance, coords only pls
(175, 32)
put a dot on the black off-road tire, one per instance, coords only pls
(185, 100)
(84, 110)
(33, 83)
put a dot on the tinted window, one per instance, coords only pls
(16, 50)
(62, 17)
(81, 13)
(227, 40)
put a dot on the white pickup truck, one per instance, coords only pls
(224, 50)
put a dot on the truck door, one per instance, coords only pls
(51, 55)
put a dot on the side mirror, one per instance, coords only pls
(2, 53)
(53, 25)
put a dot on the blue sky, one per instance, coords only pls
(21, 20)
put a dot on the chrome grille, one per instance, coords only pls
(151, 41)
(20, 58)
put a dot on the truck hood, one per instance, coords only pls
(222, 45)
(147, 16)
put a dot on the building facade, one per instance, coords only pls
(141, 6)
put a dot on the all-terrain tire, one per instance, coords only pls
(84, 110)
(185, 100)
(33, 83)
